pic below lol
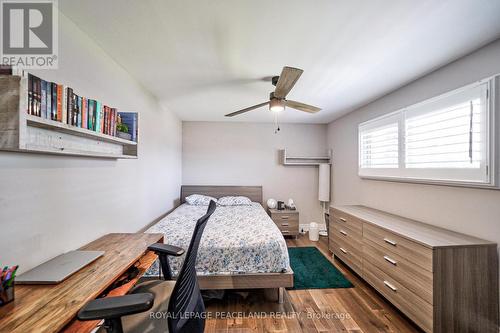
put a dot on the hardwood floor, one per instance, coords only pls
(359, 309)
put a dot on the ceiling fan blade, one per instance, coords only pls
(288, 77)
(302, 107)
(246, 109)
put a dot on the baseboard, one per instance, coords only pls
(156, 220)
(305, 226)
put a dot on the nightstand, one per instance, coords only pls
(287, 221)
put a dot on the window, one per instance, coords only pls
(445, 139)
(379, 142)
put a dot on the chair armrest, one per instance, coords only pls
(115, 307)
(170, 250)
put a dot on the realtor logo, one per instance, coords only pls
(29, 34)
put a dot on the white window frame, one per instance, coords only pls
(403, 174)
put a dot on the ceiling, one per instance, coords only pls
(203, 59)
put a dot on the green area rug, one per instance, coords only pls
(313, 271)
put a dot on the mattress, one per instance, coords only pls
(236, 240)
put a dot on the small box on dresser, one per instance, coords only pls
(286, 220)
(442, 280)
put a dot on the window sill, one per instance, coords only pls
(432, 182)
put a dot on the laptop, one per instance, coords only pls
(59, 268)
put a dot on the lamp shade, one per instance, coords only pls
(324, 182)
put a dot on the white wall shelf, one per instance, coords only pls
(22, 132)
(304, 160)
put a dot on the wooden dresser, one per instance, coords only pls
(287, 221)
(442, 280)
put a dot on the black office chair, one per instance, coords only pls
(176, 306)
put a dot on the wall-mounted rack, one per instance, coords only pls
(304, 160)
(22, 132)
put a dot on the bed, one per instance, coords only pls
(241, 247)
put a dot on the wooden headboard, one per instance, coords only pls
(252, 192)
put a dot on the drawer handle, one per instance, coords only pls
(388, 284)
(388, 241)
(343, 250)
(284, 217)
(284, 224)
(343, 232)
(342, 219)
(285, 231)
(392, 261)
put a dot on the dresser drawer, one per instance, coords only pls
(285, 217)
(411, 276)
(413, 306)
(288, 228)
(346, 232)
(342, 218)
(287, 224)
(348, 253)
(412, 251)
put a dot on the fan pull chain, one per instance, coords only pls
(276, 124)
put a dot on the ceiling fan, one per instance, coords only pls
(277, 99)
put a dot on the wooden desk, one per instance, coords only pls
(52, 308)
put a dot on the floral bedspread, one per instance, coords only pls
(237, 239)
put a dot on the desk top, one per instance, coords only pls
(48, 308)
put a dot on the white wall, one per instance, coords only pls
(471, 211)
(52, 204)
(218, 153)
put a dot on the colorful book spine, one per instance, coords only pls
(113, 121)
(97, 116)
(49, 99)
(35, 96)
(79, 114)
(102, 119)
(54, 101)
(43, 104)
(74, 110)
(69, 106)
(84, 113)
(106, 120)
(59, 102)
(38, 97)
(30, 94)
(65, 106)
(91, 114)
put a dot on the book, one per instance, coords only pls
(74, 110)
(113, 121)
(43, 104)
(91, 114)
(30, 94)
(59, 102)
(101, 126)
(65, 106)
(49, 99)
(54, 101)
(131, 120)
(106, 120)
(36, 96)
(97, 111)
(79, 104)
(69, 106)
(84, 113)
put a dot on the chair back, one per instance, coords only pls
(186, 308)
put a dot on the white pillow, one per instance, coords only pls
(199, 200)
(234, 201)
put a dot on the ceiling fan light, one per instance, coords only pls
(277, 105)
